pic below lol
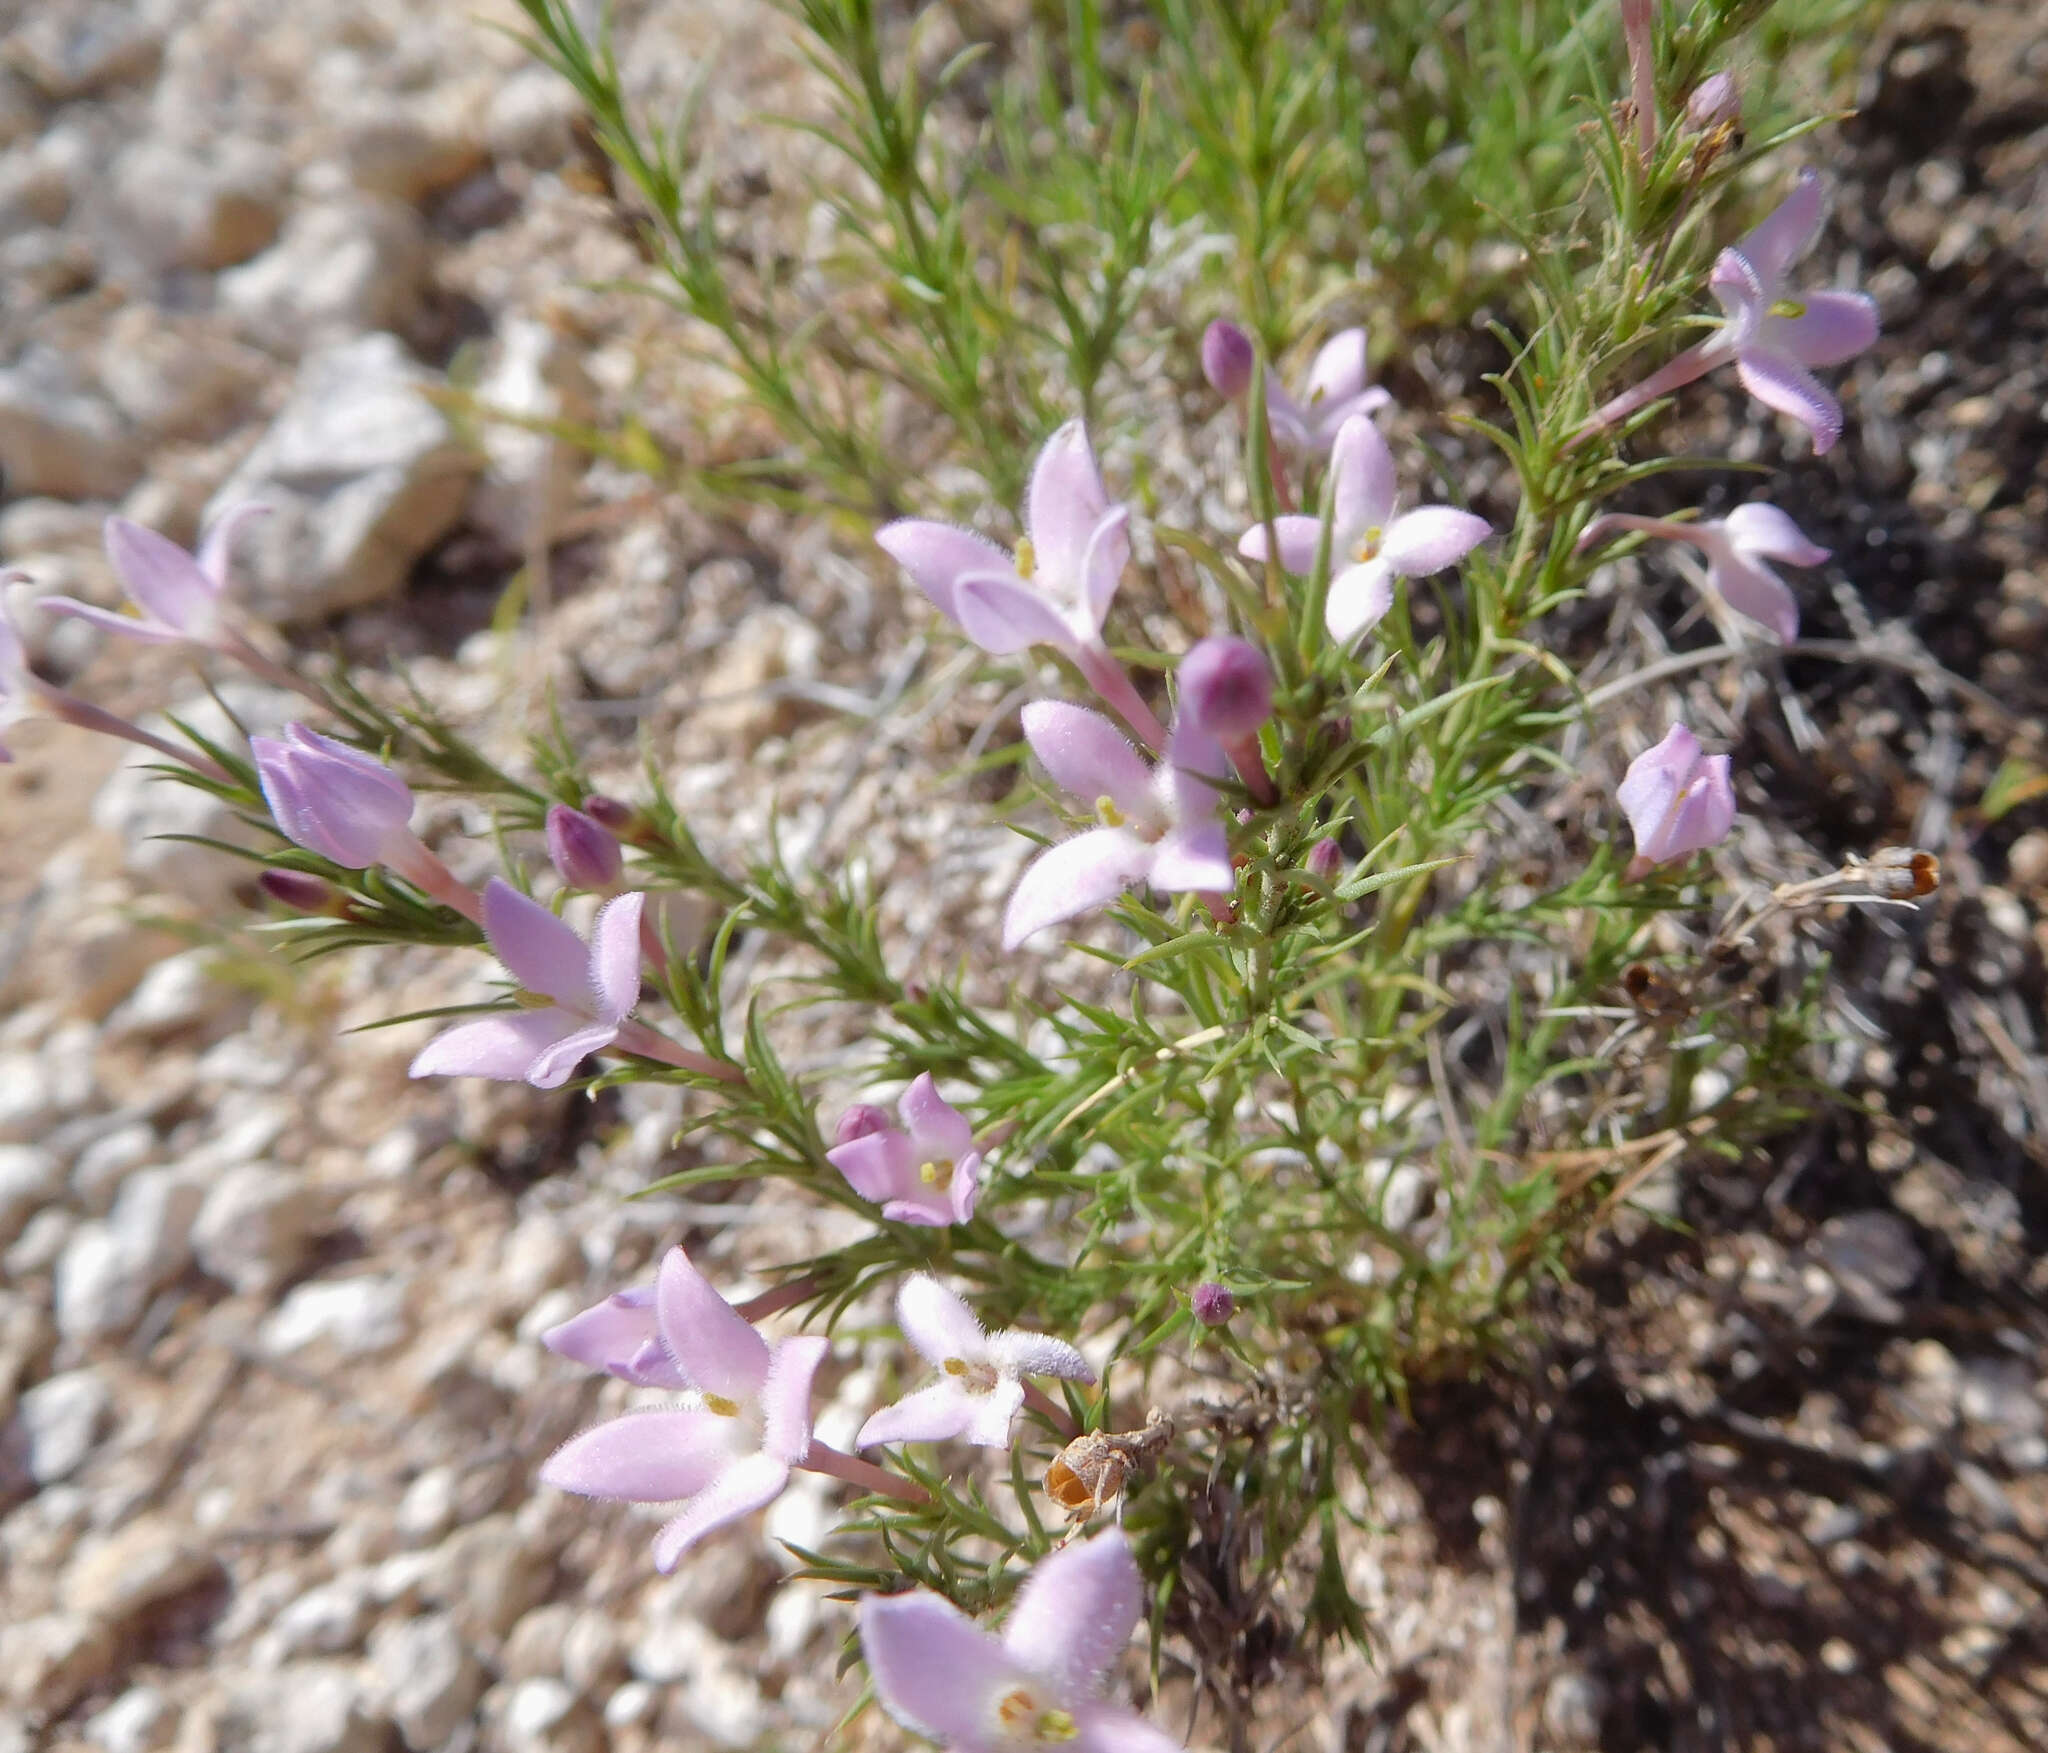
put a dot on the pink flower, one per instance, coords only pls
(1738, 548)
(1334, 390)
(180, 595)
(1773, 338)
(335, 800)
(1057, 588)
(583, 851)
(927, 1173)
(619, 1336)
(1370, 547)
(1039, 1684)
(1678, 800)
(1159, 824)
(591, 990)
(727, 1454)
(981, 1375)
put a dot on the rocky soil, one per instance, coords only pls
(270, 1396)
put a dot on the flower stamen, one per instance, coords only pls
(723, 1407)
(1790, 308)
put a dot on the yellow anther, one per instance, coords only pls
(976, 1378)
(1108, 814)
(1788, 307)
(935, 1173)
(532, 1000)
(1368, 544)
(1027, 557)
(1055, 1726)
(719, 1404)
(1014, 1710)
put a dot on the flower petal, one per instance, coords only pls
(1431, 537)
(1300, 537)
(1779, 381)
(556, 1063)
(877, 1166)
(1088, 757)
(1102, 566)
(1104, 1728)
(1649, 790)
(607, 1333)
(925, 1207)
(614, 958)
(1735, 284)
(1330, 418)
(1075, 1613)
(1193, 858)
(644, 1457)
(1705, 813)
(1359, 598)
(1067, 501)
(1832, 327)
(786, 1396)
(1363, 469)
(1788, 232)
(541, 952)
(503, 1047)
(965, 1192)
(938, 1322)
(938, 555)
(113, 621)
(1002, 615)
(937, 1128)
(1751, 588)
(1073, 878)
(164, 580)
(217, 550)
(749, 1484)
(991, 1415)
(931, 1415)
(936, 1672)
(1338, 370)
(1037, 1354)
(1757, 528)
(714, 1347)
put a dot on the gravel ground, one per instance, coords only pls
(270, 1399)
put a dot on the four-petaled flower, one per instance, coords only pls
(981, 1375)
(1773, 337)
(589, 990)
(1039, 1684)
(728, 1454)
(1738, 548)
(1158, 824)
(1333, 391)
(1370, 547)
(180, 594)
(1678, 800)
(926, 1172)
(1057, 589)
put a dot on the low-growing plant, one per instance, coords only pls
(1352, 1076)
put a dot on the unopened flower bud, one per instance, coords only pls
(1716, 99)
(862, 1120)
(615, 817)
(1325, 859)
(1212, 1302)
(585, 853)
(301, 891)
(333, 799)
(1226, 686)
(1678, 799)
(1228, 359)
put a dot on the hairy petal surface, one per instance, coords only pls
(1036, 1354)
(1088, 757)
(1363, 469)
(1066, 502)
(1076, 1612)
(749, 1484)
(786, 1396)
(556, 1063)
(1073, 878)
(643, 1457)
(1431, 537)
(938, 1321)
(938, 555)
(1833, 327)
(1299, 538)
(541, 952)
(1003, 615)
(1788, 231)
(503, 1047)
(1782, 383)
(715, 1348)
(614, 973)
(936, 1672)
(1358, 600)
(930, 1415)
(1757, 528)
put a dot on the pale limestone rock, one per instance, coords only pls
(62, 1420)
(191, 208)
(59, 435)
(362, 473)
(29, 1179)
(427, 1678)
(256, 1227)
(338, 269)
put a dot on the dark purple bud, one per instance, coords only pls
(301, 891)
(1325, 859)
(622, 819)
(1228, 359)
(1212, 1302)
(1716, 99)
(861, 1120)
(585, 854)
(1226, 686)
